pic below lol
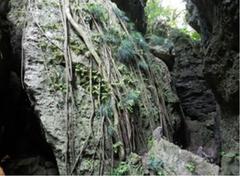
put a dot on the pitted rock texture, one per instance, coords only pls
(180, 162)
(49, 103)
(218, 24)
(21, 135)
(197, 99)
(218, 21)
(43, 76)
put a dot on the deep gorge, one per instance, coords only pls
(89, 122)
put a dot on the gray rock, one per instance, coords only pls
(158, 133)
(180, 162)
(218, 21)
(164, 54)
(39, 78)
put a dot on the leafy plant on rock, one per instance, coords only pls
(130, 100)
(191, 167)
(126, 52)
(156, 165)
(122, 169)
(139, 41)
(98, 12)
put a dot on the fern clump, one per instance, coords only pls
(143, 67)
(155, 40)
(156, 165)
(122, 169)
(126, 52)
(98, 12)
(120, 14)
(139, 40)
(112, 37)
(130, 100)
(99, 87)
(106, 109)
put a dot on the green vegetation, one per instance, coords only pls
(132, 166)
(120, 14)
(58, 56)
(105, 109)
(161, 20)
(156, 165)
(98, 12)
(154, 10)
(117, 146)
(130, 100)
(129, 49)
(230, 154)
(113, 74)
(100, 88)
(53, 26)
(193, 34)
(57, 82)
(43, 45)
(122, 169)
(78, 47)
(112, 37)
(150, 142)
(139, 41)
(191, 167)
(126, 52)
(155, 40)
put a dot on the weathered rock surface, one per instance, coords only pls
(45, 80)
(38, 77)
(218, 24)
(21, 137)
(220, 31)
(163, 53)
(197, 99)
(176, 161)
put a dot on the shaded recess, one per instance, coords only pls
(135, 11)
(23, 147)
(218, 24)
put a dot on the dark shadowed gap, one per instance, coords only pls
(23, 147)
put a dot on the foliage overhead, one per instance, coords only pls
(162, 19)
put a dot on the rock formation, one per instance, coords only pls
(82, 92)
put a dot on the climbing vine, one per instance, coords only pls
(115, 68)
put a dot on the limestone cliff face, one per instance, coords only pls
(118, 92)
(23, 147)
(217, 22)
(113, 102)
(197, 99)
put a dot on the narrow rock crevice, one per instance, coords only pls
(135, 11)
(23, 147)
(197, 100)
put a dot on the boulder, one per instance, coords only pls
(164, 54)
(176, 161)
